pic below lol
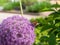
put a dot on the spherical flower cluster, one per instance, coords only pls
(16, 30)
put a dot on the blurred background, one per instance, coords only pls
(28, 5)
(43, 14)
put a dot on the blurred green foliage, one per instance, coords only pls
(39, 7)
(29, 2)
(16, 5)
(48, 29)
(3, 2)
(11, 5)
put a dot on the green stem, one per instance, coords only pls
(21, 7)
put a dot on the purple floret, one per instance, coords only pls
(16, 30)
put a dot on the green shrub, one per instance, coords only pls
(28, 2)
(34, 8)
(38, 7)
(49, 27)
(11, 5)
(41, 37)
(2, 2)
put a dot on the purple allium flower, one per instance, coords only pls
(16, 30)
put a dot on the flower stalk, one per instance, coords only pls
(21, 7)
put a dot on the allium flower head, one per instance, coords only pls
(16, 30)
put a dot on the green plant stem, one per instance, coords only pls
(21, 8)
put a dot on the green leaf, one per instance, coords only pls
(57, 24)
(52, 39)
(46, 27)
(56, 5)
(57, 21)
(44, 39)
(58, 29)
(57, 18)
(41, 20)
(55, 14)
(53, 30)
(58, 35)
